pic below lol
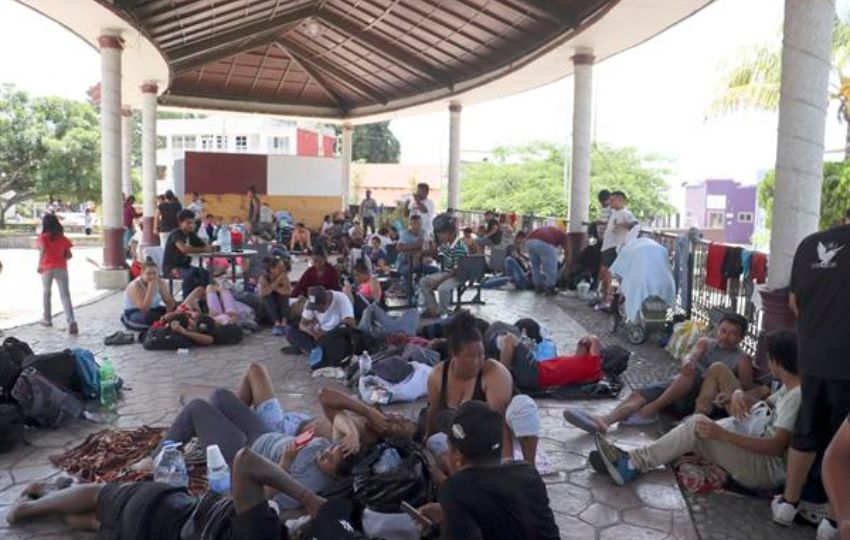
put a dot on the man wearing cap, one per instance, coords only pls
(325, 310)
(485, 498)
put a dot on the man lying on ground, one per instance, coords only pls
(156, 511)
(484, 497)
(585, 366)
(679, 395)
(752, 448)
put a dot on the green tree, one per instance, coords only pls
(373, 143)
(752, 81)
(48, 147)
(835, 194)
(528, 179)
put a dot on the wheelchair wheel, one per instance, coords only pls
(636, 334)
(613, 323)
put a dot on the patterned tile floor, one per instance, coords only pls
(587, 506)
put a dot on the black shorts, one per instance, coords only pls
(524, 369)
(125, 508)
(824, 405)
(260, 522)
(608, 257)
(683, 406)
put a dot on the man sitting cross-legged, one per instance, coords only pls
(679, 395)
(752, 448)
(151, 510)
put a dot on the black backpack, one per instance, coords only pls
(342, 342)
(11, 426)
(59, 367)
(12, 354)
(164, 339)
(615, 360)
(384, 492)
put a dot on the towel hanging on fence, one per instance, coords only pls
(732, 263)
(746, 259)
(758, 267)
(714, 267)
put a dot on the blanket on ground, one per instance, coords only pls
(109, 456)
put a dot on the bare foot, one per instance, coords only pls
(18, 513)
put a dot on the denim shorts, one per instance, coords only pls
(273, 415)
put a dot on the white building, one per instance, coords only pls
(237, 134)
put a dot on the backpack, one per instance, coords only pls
(60, 367)
(88, 373)
(164, 339)
(12, 354)
(16, 348)
(11, 426)
(42, 401)
(384, 492)
(342, 342)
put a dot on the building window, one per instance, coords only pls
(177, 142)
(278, 145)
(207, 142)
(745, 217)
(189, 142)
(221, 142)
(716, 220)
(241, 143)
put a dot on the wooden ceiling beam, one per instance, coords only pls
(220, 54)
(162, 23)
(389, 50)
(232, 39)
(315, 76)
(326, 68)
(540, 8)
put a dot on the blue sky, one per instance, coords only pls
(653, 97)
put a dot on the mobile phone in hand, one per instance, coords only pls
(304, 438)
(417, 516)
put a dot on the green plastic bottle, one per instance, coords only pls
(107, 384)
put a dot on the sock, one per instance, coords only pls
(795, 505)
(833, 523)
(630, 464)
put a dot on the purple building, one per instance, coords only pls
(722, 205)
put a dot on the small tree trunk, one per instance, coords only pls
(846, 138)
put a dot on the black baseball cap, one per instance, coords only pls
(476, 431)
(531, 327)
(317, 296)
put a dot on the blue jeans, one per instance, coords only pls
(544, 263)
(516, 273)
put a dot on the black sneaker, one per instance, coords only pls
(291, 350)
(616, 461)
(594, 459)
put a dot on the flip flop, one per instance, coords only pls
(581, 420)
(637, 420)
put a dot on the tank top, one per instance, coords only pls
(729, 358)
(477, 394)
(156, 301)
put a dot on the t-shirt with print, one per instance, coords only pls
(450, 254)
(53, 252)
(785, 404)
(507, 502)
(617, 230)
(819, 282)
(332, 317)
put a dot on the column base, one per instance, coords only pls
(776, 315)
(149, 236)
(111, 279)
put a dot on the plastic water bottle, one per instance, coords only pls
(107, 377)
(388, 462)
(169, 467)
(365, 363)
(224, 238)
(218, 473)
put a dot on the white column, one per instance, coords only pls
(345, 155)
(110, 153)
(454, 155)
(126, 151)
(149, 92)
(582, 128)
(804, 96)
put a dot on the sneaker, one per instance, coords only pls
(594, 459)
(291, 350)
(615, 460)
(813, 512)
(581, 419)
(783, 512)
(278, 331)
(826, 531)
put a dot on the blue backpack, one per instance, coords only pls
(88, 373)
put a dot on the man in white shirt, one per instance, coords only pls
(325, 311)
(266, 228)
(421, 205)
(618, 231)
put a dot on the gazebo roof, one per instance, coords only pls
(352, 59)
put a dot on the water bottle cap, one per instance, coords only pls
(214, 457)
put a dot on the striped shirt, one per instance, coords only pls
(450, 254)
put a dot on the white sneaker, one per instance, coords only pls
(826, 531)
(814, 513)
(783, 512)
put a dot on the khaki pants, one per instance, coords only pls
(443, 284)
(751, 470)
(718, 379)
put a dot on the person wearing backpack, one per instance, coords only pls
(54, 250)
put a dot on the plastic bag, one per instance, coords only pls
(685, 336)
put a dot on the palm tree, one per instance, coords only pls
(752, 81)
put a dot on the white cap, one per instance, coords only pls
(214, 456)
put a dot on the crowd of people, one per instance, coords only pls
(479, 432)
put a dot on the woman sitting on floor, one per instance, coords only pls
(275, 290)
(146, 299)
